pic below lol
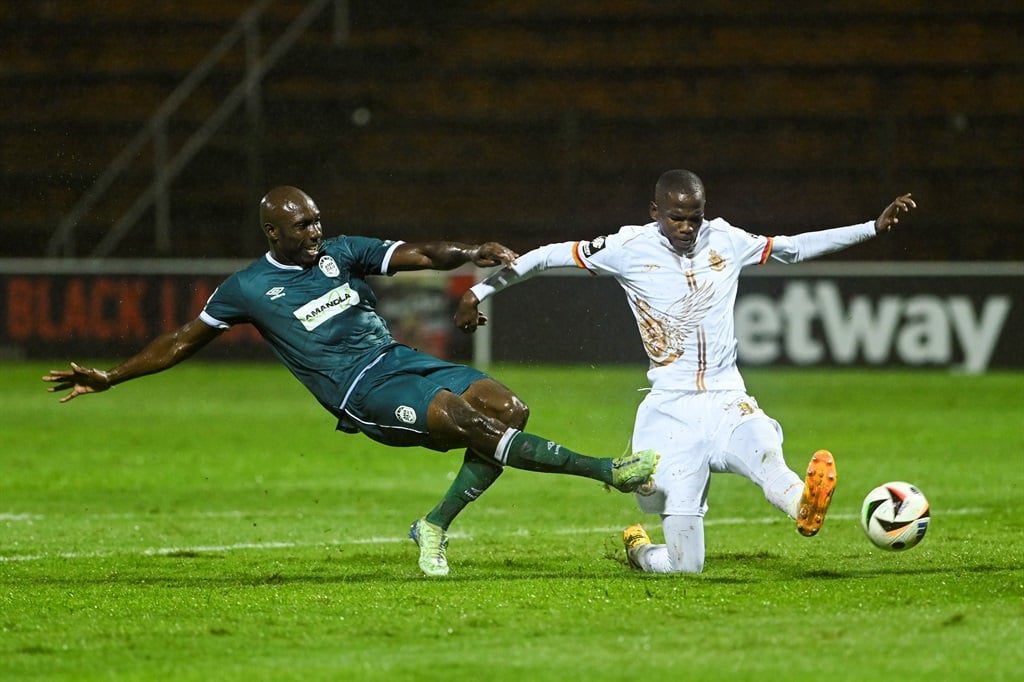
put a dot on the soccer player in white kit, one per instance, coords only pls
(680, 276)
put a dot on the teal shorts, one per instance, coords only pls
(390, 399)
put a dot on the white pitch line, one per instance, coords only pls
(213, 549)
(21, 517)
(765, 520)
(227, 514)
(725, 521)
(205, 549)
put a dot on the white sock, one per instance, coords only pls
(782, 487)
(683, 551)
(501, 452)
(756, 453)
(652, 558)
(684, 537)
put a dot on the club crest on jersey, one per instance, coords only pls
(593, 246)
(328, 266)
(716, 262)
(406, 414)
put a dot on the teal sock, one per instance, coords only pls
(533, 453)
(475, 476)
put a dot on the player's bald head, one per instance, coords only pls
(282, 203)
(678, 181)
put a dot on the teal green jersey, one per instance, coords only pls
(320, 321)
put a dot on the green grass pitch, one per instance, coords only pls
(209, 524)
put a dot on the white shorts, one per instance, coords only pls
(693, 432)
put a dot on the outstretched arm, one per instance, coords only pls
(161, 353)
(810, 245)
(468, 316)
(448, 255)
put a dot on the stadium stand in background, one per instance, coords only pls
(524, 120)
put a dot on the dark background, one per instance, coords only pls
(525, 121)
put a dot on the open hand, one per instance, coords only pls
(80, 380)
(890, 216)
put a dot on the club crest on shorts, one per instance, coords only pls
(328, 266)
(406, 414)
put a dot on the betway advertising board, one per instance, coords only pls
(965, 317)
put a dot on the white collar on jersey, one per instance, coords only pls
(282, 266)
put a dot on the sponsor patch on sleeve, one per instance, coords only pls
(593, 246)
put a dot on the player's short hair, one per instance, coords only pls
(678, 181)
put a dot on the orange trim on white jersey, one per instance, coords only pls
(576, 255)
(767, 251)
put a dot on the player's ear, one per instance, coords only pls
(654, 211)
(270, 231)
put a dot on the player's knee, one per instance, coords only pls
(455, 423)
(497, 401)
(515, 413)
(483, 432)
(510, 410)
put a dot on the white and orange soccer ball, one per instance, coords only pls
(895, 515)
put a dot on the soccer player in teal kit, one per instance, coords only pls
(309, 298)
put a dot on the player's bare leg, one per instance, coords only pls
(477, 473)
(454, 422)
(463, 420)
(479, 470)
(819, 485)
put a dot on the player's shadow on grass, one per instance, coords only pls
(474, 572)
(722, 568)
(891, 570)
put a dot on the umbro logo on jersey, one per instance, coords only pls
(275, 293)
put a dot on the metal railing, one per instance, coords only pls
(167, 167)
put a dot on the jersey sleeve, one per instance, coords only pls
(560, 255)
(600, 255)
(750, 248)
(605, 255)
(368, 255)
(810, 245)
(226, 306)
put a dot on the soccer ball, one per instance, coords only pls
(895, 515)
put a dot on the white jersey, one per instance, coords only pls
(683, 305)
